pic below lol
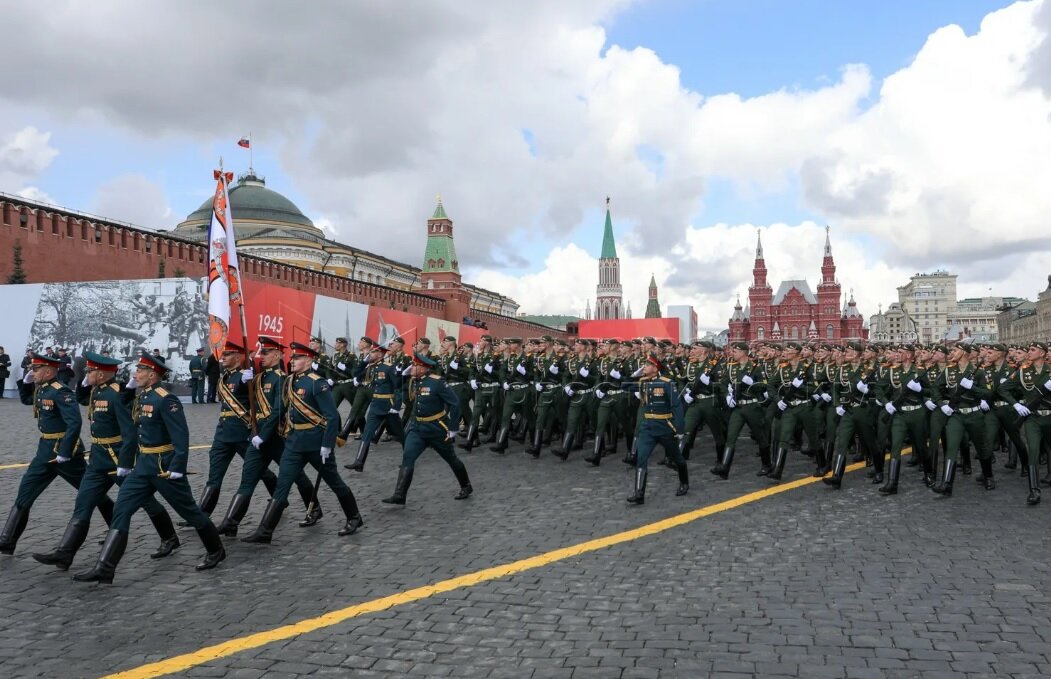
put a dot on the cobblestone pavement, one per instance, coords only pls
(809, 582)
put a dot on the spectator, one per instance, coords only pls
(65, 373)
(5, 370)
(25, 391)
(212, 369)
(197, 377)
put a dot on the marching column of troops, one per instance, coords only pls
(946, 404)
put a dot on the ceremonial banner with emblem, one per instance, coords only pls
(224, 279)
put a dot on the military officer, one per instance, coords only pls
(197, 377)
(384, 382)
(310, 427)
(435, 411)
(1002, 418)
(517, 374)
(267, 445)
(662, 423)
(744, 392)
(59, 452)
(112, 430)
(160, 467)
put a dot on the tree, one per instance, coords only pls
(180, 273)
(160, 268)
(18, 275)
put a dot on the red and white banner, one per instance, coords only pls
(224, 289)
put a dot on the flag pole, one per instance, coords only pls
(251, 155)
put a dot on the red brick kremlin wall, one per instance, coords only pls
(61, 247)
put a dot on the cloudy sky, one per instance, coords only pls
(920, 131)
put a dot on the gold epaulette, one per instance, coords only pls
(114, 386)
(56, 385)
(313, 376)
(161, 391)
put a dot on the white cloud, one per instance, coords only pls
(24, 154)
(135, 199)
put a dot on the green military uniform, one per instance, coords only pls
(612, 403)
(960, 392)
(743, 391)
(516, 378)
(579, 376)
(855, 404)
(1002, 418)
(547, 368)
(1032, 400)
(456, 369)
(484, 382)
(793, 382)
(906, 391)
(341, 370)
(435, 412)
(701, 381)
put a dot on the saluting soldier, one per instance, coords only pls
(160, 467)
(311, 424)
(517, 374)
(59, 452)
(112, 431)
(744, 392)
(431, 425)
(267, 444)
(906, 390)
(662, 423)
(384, 381)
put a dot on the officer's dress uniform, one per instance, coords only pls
(163, 445)
(112, 431)
(58, 419)
(1003, 418)
(384, 382)
(311, 422)
(435, 411)
(341, 371)
(662, 424)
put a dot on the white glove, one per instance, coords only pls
(747, 379)
(521, 369)
(966, 383)
(782, 406)
(890, 408)
(1047, 385)
(123, 471)
(930, 405)
(766, 395)
(83, 382)
(705, 380)
(827, 398)
(539, 386)
(983, 405)
(947, 410)
(314, 365)
(638, 395)
(730, 402)
(816, 397)
(600, 394)
(356, 382)
(175, 476)
(341, 366)
(132, 384)
(862, 387)
(507, 387)
(489, 368)
(553, 369)
(331, 383)
(797, 382)
(1021, 410)
(914, 385)
(59, 459)
(568, 389)
(394, 411)
(325, 452)
(841, 411)
(406, 372)
(28, 377)
(450, 436)
(454, 365)
(686, 397)
(637, 373)
(584, 372)
(615, 374)
(247, 375)
(257, 442)
(474, 385)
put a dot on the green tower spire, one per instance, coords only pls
(609, 247)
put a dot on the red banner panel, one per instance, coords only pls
(630, 328)
(385, 324)
(274, 311)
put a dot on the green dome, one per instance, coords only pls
(263, 209)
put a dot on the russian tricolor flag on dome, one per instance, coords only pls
(224, 278)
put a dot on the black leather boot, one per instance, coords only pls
(538, 439)
(465, 483)
(358, 465)
(501, 441)
(13, 529)
(567, 445)
(686, 445)
(209, 498)
(264, 532)
(779, 463)
(1034, 488)
(313, 515)
(944, 489)
(928, 472)
(839, 464)
(350, 510)
(987, 474)
(684, 479)
(71, 541)
(1012, 457)
(638, 497)
(631, 458)
(722, 470)
(162, 523)
(234, 514)
(595, 457)
(764, 457)
(401, 489)
(891, 486)
(824, 459)
(112, 551)
(471, 440)
(213, 547)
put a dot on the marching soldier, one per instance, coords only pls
(701, 375)
(112, 431)
(547, 368)
(59, 453)
(960, 392)
(310, 425)
(906, 391)
(793, 381)
(517, 374)
(384, 381)
(612, 408)
(854, 398)
(1033, 403)
(1003, 418)
(455, 368)
(435, 410)
(578, 384)
(662, 424)
(362, 395)
(342, 368)
(744, 395)
(484, 383)
(267, 445)
(160, 467)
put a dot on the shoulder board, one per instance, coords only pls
(161, 391)
(313, 376)
(57, 385)
(664, 379)
(114, 386)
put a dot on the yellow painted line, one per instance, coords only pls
(20, 465)
(181, 663)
